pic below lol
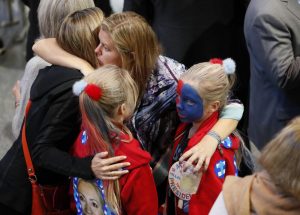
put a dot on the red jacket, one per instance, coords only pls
(138, 191)
(211, 183)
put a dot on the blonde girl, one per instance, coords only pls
(202, 91)
(107, 99)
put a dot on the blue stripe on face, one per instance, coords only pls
(189, 104)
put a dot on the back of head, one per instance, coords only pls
(136, 42)
(211, 80)
(117, 87)
(51, 14)
(78, 34)
(113, 87)
(280, 158)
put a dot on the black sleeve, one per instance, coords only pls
(57, 130)
(143, 7)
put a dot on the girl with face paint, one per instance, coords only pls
(202, 92)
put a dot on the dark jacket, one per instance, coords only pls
(52, 126)
(272, 34)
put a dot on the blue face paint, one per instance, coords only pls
(189, 103)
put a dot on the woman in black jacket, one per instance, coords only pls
(53, 122)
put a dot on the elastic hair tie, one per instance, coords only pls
(228, 64)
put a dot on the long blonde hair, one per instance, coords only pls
(137, 44)
(280, 158)
(51, 14)
(117, 88)
(78, 34)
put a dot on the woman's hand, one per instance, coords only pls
(200, 154)
(108, 168)
(16, 90)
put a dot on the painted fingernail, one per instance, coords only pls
(124, 169)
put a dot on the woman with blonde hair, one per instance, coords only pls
(52, 124)
(105, 106)
(50, 15)
(74, 28)
(273, 190)
(128, 41)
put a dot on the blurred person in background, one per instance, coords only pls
(273, 190)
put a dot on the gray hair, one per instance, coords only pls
(51, 14)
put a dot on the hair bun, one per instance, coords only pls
(229, 66)
(78, 87)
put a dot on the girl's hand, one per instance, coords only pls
(108, 168)
(200, 154)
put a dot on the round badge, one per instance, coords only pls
(183, 183)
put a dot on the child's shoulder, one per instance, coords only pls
(131, 148)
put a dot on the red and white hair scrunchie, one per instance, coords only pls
(92, 90)
(228, 64)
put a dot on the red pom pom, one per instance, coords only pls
(93, 91)
(216, 61)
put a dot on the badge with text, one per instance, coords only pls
(183, 183)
